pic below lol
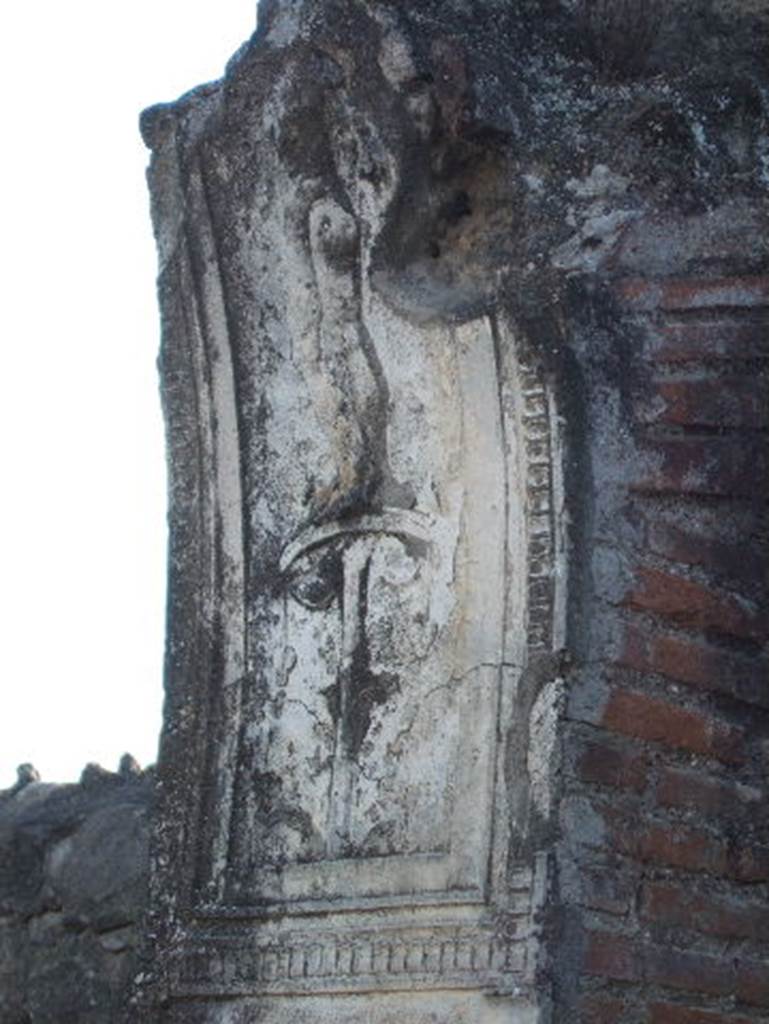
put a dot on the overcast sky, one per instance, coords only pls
(82, 516)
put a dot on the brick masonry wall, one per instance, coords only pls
(663, 865)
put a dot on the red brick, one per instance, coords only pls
(692, 548)
(698, 665)
(710, 467)
(668, 844)
(749, 862)
(708, 796)
(710, 975)
(697, 402)
(692, 605)
(679, 847)
(707, 340)
(693, 293)
(753, 983)
(611, 766)
(607, 889)
(611, 956)
(671, 905)
(690, 971)
(647, 718)
(674, 1013)
(619, 958)
(596, 1009)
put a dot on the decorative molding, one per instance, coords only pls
(536, 424)
(344, 961)
(434, 948)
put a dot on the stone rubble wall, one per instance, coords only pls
(73, 887)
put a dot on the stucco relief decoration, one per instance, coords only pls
(381, 536)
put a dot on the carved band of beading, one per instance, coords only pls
(339, 962)
(540, 500)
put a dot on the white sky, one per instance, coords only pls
(82, 509)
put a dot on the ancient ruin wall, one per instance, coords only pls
(464, 319)
(517, 256)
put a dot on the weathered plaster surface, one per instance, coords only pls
(397, 392)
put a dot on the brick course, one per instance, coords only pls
(600, 1010)
(702, 467)
(695, 547)
(702, 402)
(692, 605)
(676, 294)
(731, 919)
(674, 1013)
(695, 342)
(608, 765)
(622, 958)
(666, 722)
(708, 796)
(674, 872)
(696, 663)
